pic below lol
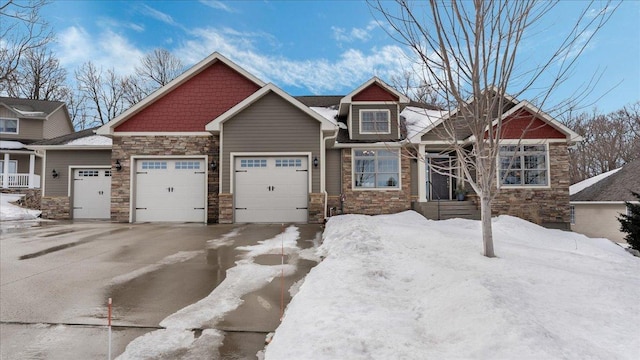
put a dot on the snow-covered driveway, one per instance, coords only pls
(55, 281)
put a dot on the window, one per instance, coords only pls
(147, 165)
(107, 173)
(572, 214)
(374, 121)
(13, 166)
(523, 165)
(376, 169)
(288, 163)
(9, 126)
(88, 173)
(187, 165)
(253, 163)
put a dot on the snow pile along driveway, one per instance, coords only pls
(11, 212)
(403, 287)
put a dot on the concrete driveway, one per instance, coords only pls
(55, 280)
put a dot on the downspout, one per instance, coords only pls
(324, 190)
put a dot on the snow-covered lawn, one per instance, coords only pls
(10, 211)
(403, 287)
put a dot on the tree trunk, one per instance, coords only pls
(487, 233)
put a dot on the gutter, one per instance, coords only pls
(324, 189)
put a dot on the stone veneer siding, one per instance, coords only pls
(548, 206)
(316, 208)
(226, 208)
(56, 207)
(374, 202)
(126, 146)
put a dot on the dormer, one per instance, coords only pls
(372, 112)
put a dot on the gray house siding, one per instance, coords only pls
(271, 124)
(333, 175)
(57, 125)
(23, 164)
(355, 122)
(28, 129)
(60, 160)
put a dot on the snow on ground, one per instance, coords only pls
(11, 212)
(178, 337)
(403, 287)
(577, 187)
(91, 140)
(178, 257)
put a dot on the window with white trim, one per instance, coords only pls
(523, 165)
(9, 126)
(13, 166)
(375, 121)
(572, 214)
(376, 169)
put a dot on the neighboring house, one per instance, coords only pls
(23, 122)
(77, 176)
(219, 145)
(596, 203)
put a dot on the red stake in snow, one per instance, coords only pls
(109, 326)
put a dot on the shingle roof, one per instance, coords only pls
(44, 106)
(320, 100)
(616, 187)
(61, 140)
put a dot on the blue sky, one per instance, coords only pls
(311, 47)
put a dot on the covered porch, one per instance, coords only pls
(18, 169)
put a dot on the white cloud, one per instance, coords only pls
(352, 68)
(218, 5)
(106, 50)
(158, 15)
(113, 23)
(361, 34)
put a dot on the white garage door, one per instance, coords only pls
(271, 189)
(91, 194)
(170, 190)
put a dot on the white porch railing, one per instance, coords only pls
(20, 181)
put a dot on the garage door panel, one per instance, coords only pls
(271, 189)
(171, 190)
(91, 194)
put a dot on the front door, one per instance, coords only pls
(439, 179)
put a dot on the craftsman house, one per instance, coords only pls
(218, 144)
(23, 122)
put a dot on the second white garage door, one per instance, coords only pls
(170, 190)
(271, 189)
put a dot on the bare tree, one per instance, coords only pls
(159, 66)
(469, 51)
(21, 30)
(39, 76)
(103, 93)
(416, 89)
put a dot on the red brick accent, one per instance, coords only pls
(533, 127)
(374, 92)
(195, 103)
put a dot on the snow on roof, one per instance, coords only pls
(577, 187)
(418, 119)
(91, 140)
(28, 113)
(326, 112)
(13, 145)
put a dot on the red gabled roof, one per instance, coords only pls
(374, 92)
(522, 124)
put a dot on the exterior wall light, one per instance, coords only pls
(315, 161)
(118, 166)
(213, 165)
(54, 173)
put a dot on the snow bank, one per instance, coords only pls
(11, 212)
(403, 287)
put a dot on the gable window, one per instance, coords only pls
(376, 169)
(523, 165)
(375, 121)
(9, 126)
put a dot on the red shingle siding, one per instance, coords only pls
(192, 105)
(533, 128)
(374, 92)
